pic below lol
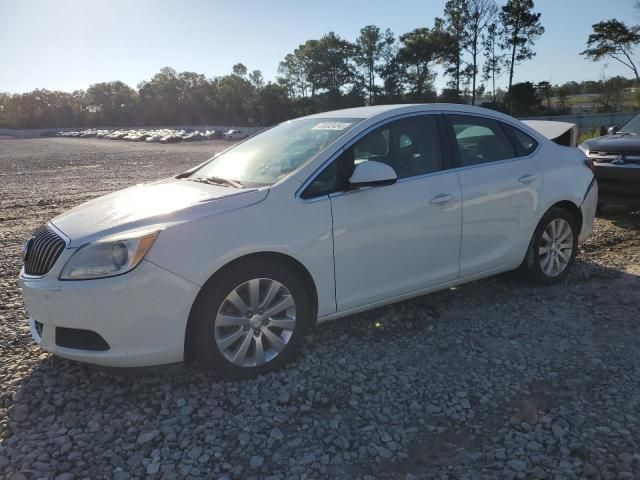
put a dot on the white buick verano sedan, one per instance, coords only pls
(317, 218)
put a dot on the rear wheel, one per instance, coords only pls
(553, 248)
(250, 319)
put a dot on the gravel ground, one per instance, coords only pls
(495, 379)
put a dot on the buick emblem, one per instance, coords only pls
(618, 160)
(26, 247)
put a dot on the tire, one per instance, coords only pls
(238, 343)
(539, 265)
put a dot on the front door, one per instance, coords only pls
(396, 239)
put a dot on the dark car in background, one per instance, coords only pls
(616, 158)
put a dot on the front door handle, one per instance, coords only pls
(441, 199)
(527, 179)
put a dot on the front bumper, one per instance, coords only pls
(588, 209)
(619, 184)
(142, 315)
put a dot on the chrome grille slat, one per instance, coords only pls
(47, 248)
(39, 248)
(37, 251)
(42, 257)
(614, 157)
(43, 251)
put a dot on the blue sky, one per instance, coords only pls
(67, 44)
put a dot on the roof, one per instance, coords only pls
(373, 111)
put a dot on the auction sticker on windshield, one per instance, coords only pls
(331, 126)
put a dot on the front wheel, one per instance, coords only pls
(250, 319)
(553, 248)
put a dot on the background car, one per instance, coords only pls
(234, 135)
(616, 157)
(233, 261)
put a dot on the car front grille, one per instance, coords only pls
(614, 157)
(41, 251)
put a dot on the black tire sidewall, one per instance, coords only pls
(213, 294)
(532, 264)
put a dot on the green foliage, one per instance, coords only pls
(613, 39)
(525, 100)
(481, 16)
(368, 53)
(521, 27)
(417, 53)
(493, 57)
(593, 133)
(456, 16)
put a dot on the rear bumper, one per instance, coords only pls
(588, 209)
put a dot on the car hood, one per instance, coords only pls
(616, 143)
(158, 205)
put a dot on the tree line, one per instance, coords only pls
(474, 44)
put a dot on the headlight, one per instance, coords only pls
(584, 148)
(108, 257)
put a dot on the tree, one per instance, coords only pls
(525, 99)
(390, 70)
(613, 39)
(256, 79)
(333, 67)
(368, 51)
(293, 75)
(493, 56)
(455, 21)
(113, 102)
(273, 104)
(546, 92)
(159, 97)
(480, 15)
(562, 101)
(239, 69)
(417, 53)
(612, 95)
(521, 27)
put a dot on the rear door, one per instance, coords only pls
(501, 186)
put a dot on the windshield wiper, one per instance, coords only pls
(217, 181)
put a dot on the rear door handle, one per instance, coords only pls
(441, 199)
(527, 179)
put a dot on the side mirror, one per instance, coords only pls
(371, 174)
(612, 129)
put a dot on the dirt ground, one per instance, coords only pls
(495, 379)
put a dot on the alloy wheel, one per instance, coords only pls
(556, 247)
(255, 322)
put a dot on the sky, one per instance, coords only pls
(70, 44)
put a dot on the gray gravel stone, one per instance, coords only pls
(256, 461)
(517, 465)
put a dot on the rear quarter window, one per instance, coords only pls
(524, 142)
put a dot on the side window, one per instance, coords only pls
(524, 142)
(411, 146)
(480, 140)
(374, 146)
(416, 143)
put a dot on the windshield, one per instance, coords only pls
(632, 126)
(274, 153)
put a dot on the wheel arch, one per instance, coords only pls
(301, 271)
(570, 207)
(567, 205)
